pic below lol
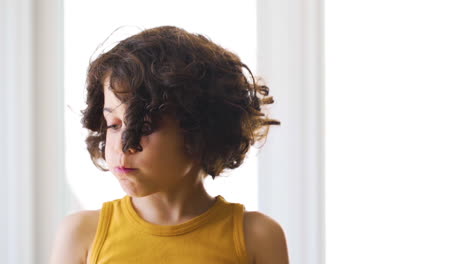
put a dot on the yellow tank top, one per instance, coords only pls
(123, 237)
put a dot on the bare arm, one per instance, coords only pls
(265, 239)
(74, 236)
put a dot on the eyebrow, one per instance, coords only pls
(106, 109)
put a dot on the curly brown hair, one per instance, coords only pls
(169, 71)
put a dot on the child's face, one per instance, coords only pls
(161, 166)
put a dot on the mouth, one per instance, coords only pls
(124, 170)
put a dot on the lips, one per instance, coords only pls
(124, 169)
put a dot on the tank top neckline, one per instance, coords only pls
(171, 230)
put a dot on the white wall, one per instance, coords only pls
(397, 145)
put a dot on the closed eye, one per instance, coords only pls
(112, 126)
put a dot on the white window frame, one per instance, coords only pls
(31, 81)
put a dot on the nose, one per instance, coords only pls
(132, 150)
(120, 146)
(123, 159)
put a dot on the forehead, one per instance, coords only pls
(111, 103)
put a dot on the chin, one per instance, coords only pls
(136, 193)
(131, 190)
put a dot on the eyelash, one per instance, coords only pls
(111, 126)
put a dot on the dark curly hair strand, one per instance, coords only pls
(168, 71)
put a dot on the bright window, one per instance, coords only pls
(88, 23)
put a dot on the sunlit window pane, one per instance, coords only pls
(88, 23)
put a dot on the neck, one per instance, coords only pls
(175, 206)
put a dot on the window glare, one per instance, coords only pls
(88, 24)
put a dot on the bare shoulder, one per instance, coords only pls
(265, 239)
(74, 237)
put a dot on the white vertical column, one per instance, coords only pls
(31, 128)
(51, 190)
(291, 170)
(16, 135)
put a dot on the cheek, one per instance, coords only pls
(168, 153)
(107, 150)
(158, 152)
(111, 141)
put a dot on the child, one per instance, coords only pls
(165, 109)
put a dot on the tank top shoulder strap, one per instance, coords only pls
(238, 232)
(101, 232)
